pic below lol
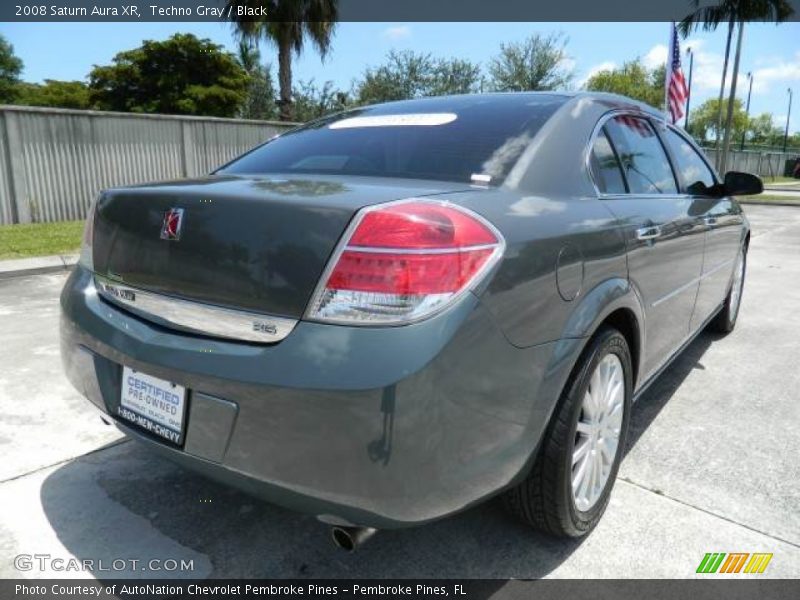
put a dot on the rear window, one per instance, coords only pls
(605, 166)
(463, 139)
(643, 159)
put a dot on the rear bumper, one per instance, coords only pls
(383, 427)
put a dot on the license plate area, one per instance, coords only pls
(155, 405)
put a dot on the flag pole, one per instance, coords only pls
(667, 70)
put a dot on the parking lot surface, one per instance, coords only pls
(711, 466)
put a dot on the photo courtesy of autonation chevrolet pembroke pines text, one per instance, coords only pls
(426, 299)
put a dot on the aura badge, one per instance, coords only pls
(734, 562)
(173, 222)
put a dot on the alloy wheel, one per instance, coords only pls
(738, 282)
(598, 431)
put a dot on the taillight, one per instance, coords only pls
(86, 259)
(403, 261)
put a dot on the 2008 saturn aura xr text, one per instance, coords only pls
(388, 315)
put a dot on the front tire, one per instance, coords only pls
(570, 483)
(725, 320)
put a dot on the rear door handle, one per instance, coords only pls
(650, 232)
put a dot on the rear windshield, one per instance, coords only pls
(473, 139)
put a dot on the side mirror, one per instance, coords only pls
(742, 184)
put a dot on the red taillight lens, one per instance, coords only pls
(420, 225)
(85, 259)
(403, 262)
(406, 273)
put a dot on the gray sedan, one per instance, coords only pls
(388, 315)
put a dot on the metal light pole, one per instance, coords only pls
(788, 114)
(689, 88)
(747, 109)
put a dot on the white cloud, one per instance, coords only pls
(656, 57)
(603, 66)
(784, 71)
(567, 63)
(401, 32)
(696, 44)
(707, 66)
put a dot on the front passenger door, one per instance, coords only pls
(664, 240)
(723, 221)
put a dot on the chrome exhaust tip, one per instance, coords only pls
(350, 538)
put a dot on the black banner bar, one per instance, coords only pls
(358, 10)
(739, 588)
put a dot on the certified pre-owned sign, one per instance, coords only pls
(153, 404)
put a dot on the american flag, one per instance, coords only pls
(676, 92)
(635, 125)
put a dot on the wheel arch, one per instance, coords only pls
(614, 302)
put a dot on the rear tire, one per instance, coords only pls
(725, 320)
(554, 497)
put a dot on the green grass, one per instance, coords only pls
(40, 239)
(767, 198)
(781, 180)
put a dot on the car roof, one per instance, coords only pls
(455, 102)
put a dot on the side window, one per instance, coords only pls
(643, 159)
(605, 167)
(693, 170)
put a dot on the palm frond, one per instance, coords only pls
(708, 18)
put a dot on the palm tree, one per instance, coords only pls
(710, 17)
(731, 11)
(248, 55)
(288, 24)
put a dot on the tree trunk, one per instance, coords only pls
(726, 144)
(722, 93)
(285, 77)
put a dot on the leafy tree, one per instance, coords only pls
(288, 24)
(260, 101)
(10, 68)
(59, 94)
(455, 76)
(534, 64)
(762, 130)
(408, 74)
(703, 123)
(633, 79)
(404, 75)
(312, 102)
(181, 75)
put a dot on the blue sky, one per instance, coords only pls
(772, 53)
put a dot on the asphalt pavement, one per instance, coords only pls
(712, 466)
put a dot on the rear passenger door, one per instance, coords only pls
(723, 222)
(664, 240)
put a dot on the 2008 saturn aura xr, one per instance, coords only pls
(388, 315)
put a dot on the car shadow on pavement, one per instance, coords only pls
(126, 502)
(135, 492)
(658, 395)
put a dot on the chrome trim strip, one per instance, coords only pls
(677, 291)
(694, 281)
(196, 317)
(388, 250)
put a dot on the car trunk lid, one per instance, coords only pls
(253, 243)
